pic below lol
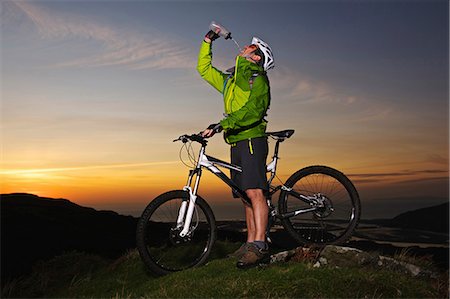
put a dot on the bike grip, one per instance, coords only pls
(197, 138)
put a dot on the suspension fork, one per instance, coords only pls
(182, 214)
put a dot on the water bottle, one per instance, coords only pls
(220, 30)
(223, 32)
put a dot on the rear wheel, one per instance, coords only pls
(158, 241)
(333, 200)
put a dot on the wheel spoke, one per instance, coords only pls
(158, 238)
(336, 202)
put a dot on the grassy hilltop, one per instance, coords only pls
(78, 275)
(52, 248)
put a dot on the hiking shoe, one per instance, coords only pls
(240, 251)
(253, 257)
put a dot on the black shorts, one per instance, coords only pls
(251, 155)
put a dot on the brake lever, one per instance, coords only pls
(182, 138)
(195, 137)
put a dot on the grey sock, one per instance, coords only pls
(261, 245)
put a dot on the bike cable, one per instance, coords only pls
(190, 153)
(281, 182)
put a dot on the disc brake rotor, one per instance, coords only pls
(175, 237)
(325, 206)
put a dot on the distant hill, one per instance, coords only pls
(435, 218)
(35, 228)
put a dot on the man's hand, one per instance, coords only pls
(208, 133)
(211, 36)
(211, 130)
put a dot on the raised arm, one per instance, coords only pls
(212, 75)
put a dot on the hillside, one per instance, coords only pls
(435, 218)
(77, 275)
(35, 228)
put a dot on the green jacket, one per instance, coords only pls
(245, 105)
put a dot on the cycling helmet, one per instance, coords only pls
(267, 51)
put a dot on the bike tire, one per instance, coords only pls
(157, 242)
(324, 226)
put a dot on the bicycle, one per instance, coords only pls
(318, 205)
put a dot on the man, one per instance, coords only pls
(246, 94)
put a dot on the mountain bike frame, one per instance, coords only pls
(186, 210)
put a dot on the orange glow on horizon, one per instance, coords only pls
(130, 186)
(137, 183)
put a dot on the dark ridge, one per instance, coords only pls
(435, 218)
(35, 228)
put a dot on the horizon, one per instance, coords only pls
(230, 210)
(93, 93)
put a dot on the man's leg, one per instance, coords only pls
(252, 155)
(257, 215)
(250, 220)
(257, 219)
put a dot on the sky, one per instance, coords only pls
(94, 92)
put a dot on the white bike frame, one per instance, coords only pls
(186, 211)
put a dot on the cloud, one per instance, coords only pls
(373, 113)
(402, 177)
(60, 169)
(438, 159)
(424, 180)
(307, 90)
(356, 107)
(119, 47)
(395, 174)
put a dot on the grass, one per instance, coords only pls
(406, 256)
(77, 275)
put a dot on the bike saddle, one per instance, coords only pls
(281, 134)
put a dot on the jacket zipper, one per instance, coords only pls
(233, 85)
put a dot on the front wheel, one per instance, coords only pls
(332, 203)
(157, 235)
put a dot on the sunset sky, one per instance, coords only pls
(94, 92)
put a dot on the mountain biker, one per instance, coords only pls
(246, 94)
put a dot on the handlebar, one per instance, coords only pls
(194, 137)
